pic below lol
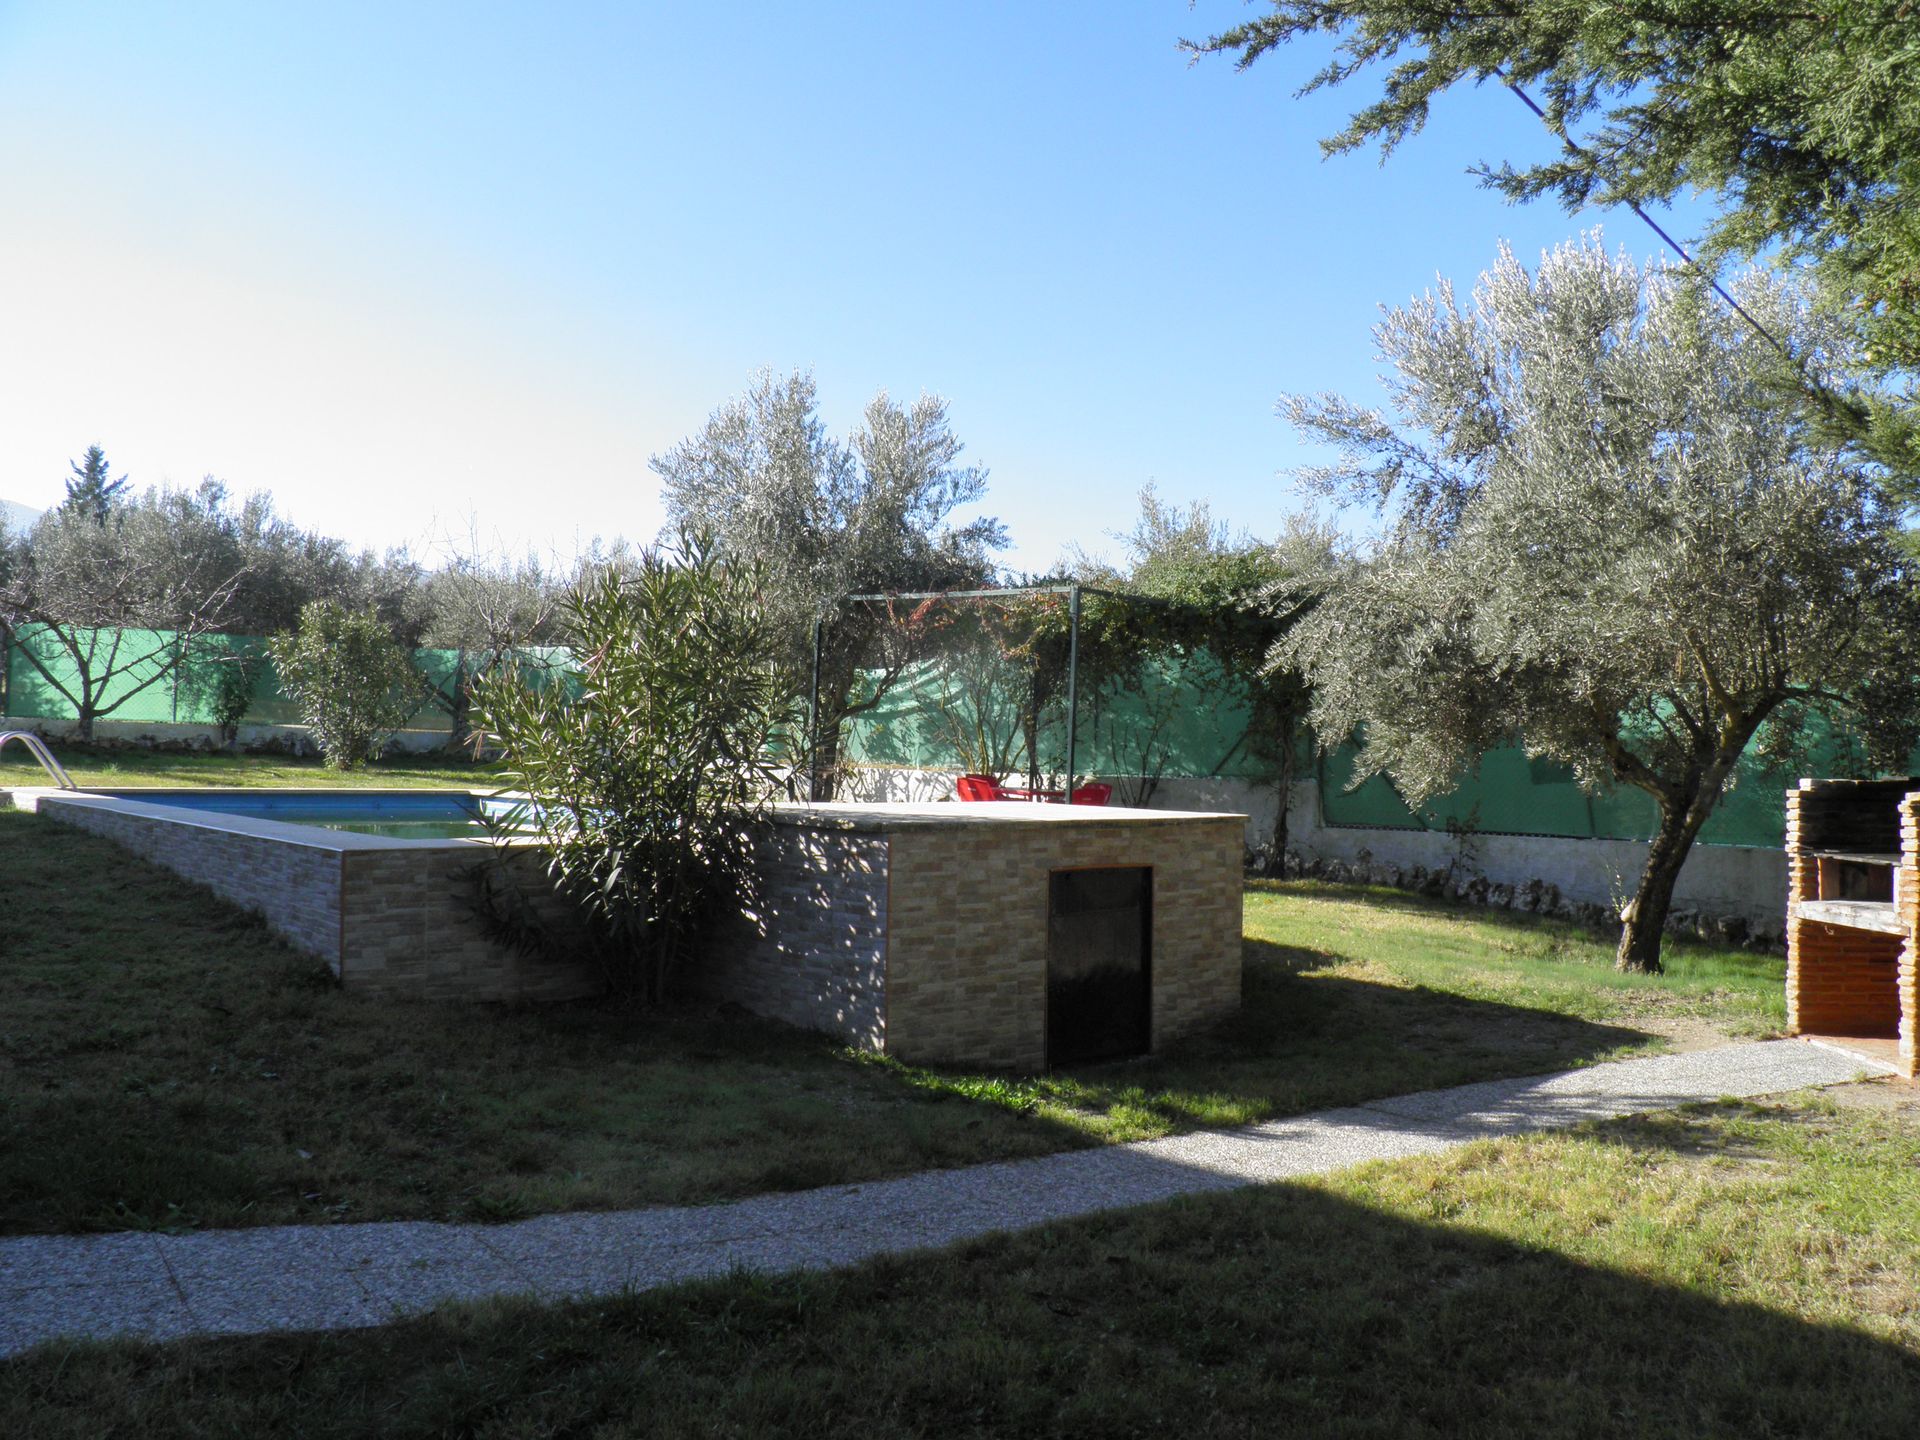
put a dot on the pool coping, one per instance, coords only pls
(312, 837)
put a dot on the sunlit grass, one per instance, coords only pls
(164, 1061)
(109, 768)
(1745, 1269)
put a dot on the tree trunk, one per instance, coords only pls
(825, 758)
(1276, 862)
(83, 725)
(460, 710)
(1643, 921)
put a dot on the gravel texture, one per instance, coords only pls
(336, 1277)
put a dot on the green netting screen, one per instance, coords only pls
(1188, 720)
(42, 673)
(1182, 718)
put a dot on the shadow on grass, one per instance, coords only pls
(1277, 1310)
(1303, 1040)
(165, 1063)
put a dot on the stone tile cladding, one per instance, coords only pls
(412, 930)
(295, 888)
(810, 947)
(1842, 980)
(392, 922)
(967, 931)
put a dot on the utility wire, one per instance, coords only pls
(1582, 153)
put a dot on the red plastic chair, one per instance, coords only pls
(977, 787)
(1096, 794)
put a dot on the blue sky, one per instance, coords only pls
(424, 268)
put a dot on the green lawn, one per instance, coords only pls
(164, 1062)
(1742, 1270)
(114, 767)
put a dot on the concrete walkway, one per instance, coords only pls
(336, 1277)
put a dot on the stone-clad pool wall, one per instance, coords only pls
(390, 917)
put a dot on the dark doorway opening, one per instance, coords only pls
(1099, 935)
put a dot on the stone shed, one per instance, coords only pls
(1853, 913)
(1008, 935)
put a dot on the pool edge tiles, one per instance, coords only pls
(388, 916)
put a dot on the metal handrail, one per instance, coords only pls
(37, 748)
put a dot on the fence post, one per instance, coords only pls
(1073, 683)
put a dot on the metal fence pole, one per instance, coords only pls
(1073, 684)
(813, 719)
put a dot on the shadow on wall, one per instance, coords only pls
(1533, 897)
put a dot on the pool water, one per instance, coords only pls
(429, 815)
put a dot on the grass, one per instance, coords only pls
(103, 767)
(166, 1063)
(1742, 1269)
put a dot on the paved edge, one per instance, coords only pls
(339, 1277)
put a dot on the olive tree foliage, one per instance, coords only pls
(1232, 598)
(645, 779)
(1607, 538)
(122, 592)
(826, 517)
(1801, 121)
(285, 568)
(352, 683)
(489, 612)
(288, 567)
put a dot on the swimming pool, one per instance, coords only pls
(429, 815)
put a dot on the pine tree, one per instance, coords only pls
(91, 491)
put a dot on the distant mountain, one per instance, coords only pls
(16, 515)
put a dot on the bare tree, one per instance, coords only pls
(120, 595)
(1610, 538)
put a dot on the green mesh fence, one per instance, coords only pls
(1184, 719)
(149, 687)
(1188, 720)
(42, 673)
(1511, 794)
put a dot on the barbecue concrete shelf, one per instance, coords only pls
(1880, 915)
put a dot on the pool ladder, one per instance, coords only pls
(37, 748)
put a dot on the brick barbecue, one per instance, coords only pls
(923, 930)
(1853, 911)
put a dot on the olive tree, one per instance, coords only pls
(1608, 537)
(353, 683)
(489, 612)
(1798, 123)
(825, 518)
(644, 778)
(106, 601)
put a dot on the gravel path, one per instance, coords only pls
(335, 1277)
